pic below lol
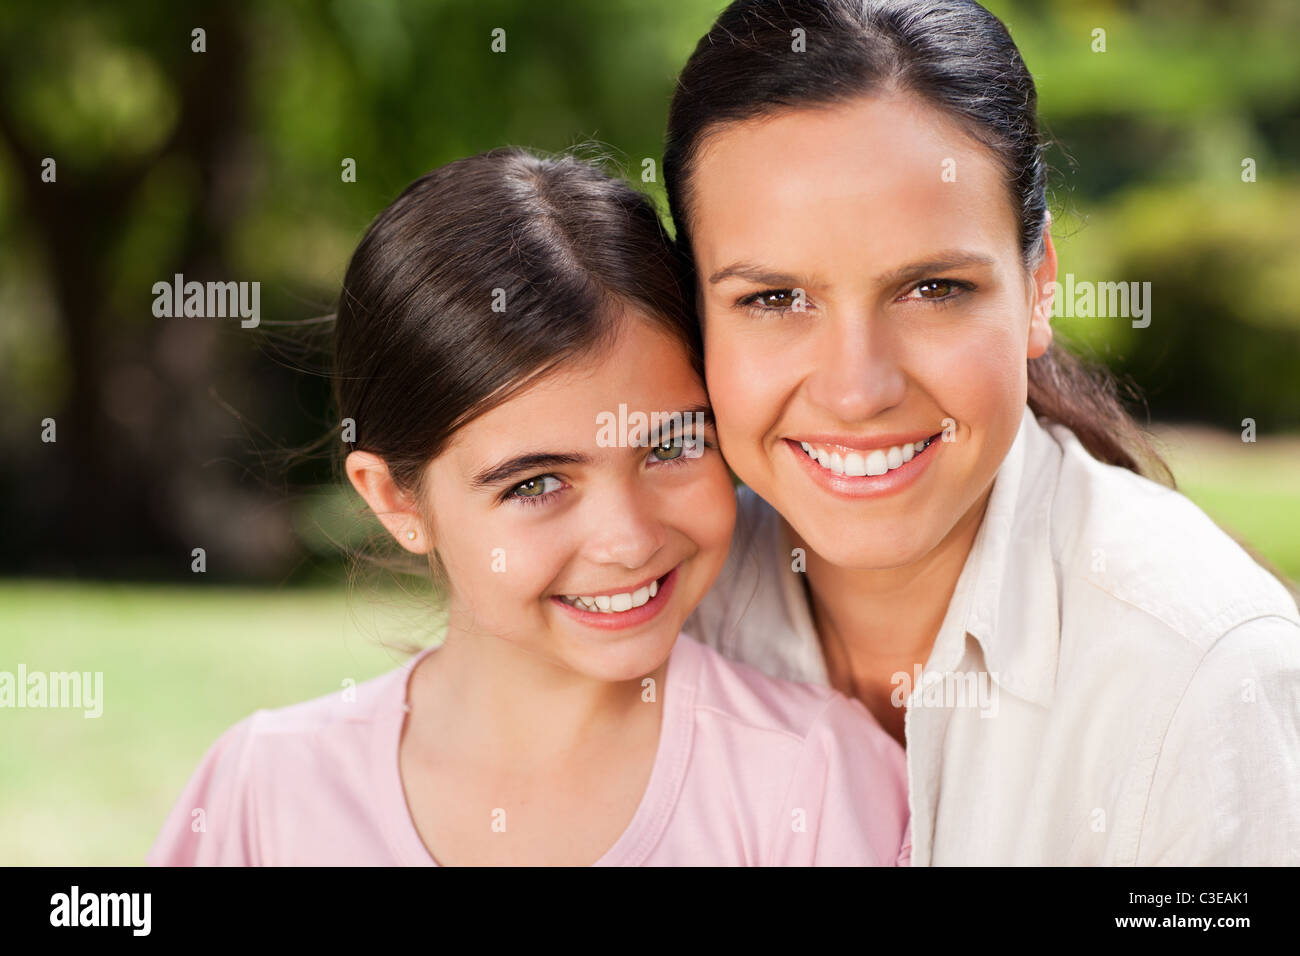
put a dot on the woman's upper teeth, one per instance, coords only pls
(613, 603)
(856, 464)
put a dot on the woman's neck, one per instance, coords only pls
(875, 624)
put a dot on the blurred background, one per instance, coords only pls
(175, 433)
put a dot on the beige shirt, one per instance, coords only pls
(1115, 681)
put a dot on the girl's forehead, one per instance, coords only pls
(643, 370)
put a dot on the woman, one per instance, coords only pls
(933, 486)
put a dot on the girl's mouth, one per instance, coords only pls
(619, 609)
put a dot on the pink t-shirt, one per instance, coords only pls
(750, 770)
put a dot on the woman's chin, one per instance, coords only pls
(892, 545)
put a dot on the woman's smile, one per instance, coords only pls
(849, 469)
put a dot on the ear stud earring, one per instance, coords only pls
(411, 535)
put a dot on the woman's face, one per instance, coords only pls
(536, 504)
(867, 320)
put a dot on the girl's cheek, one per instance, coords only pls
(499, 562)
(710, 507)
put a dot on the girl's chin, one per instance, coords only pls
(616, 665)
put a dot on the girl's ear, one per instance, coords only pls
(393, 507)
(1040, 318)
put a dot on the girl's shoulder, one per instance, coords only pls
(747, 702)
(803, 755)
(277, 774)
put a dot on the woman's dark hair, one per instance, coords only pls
(481, 276)
(955, 55)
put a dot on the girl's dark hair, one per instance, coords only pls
(481, 276)
(952, 53)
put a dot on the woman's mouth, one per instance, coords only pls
(620, 608)
(864, 472)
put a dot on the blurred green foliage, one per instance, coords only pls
(227, 163)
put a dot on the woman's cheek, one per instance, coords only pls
(746, 388)
(975, 378)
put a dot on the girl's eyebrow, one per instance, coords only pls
(519, 464)
(540, 461)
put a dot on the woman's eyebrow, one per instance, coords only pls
(520, 464)
(941, 262)
(950, 259)
(754, 273)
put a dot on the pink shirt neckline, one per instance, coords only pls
(647, 826)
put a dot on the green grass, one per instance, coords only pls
(181, 665)
(1252, 490)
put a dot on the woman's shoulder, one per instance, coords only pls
(1150, 547)
(754, 611)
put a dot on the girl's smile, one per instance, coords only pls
(615, 609)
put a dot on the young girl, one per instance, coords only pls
(495, 321)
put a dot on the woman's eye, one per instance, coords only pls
(938, 289)
(536, 487)
(773, 300)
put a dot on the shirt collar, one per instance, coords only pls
(1008, 589)
(1006, 596)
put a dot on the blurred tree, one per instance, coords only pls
(226, 165)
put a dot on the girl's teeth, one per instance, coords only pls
(859, 464)
(614, 603)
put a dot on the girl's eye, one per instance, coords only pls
(679, 448)
(667, 452)
(939, 290)
(535, 488)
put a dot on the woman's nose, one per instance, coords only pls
(856, 374)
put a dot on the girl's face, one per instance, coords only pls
(867, 320)
(536, 507)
